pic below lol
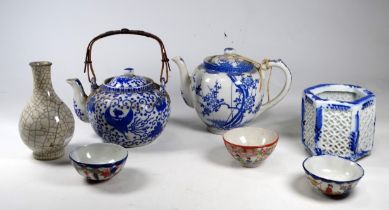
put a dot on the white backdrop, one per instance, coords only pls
(188, 168)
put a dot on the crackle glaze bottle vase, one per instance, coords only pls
(46, 124)
(227, 90)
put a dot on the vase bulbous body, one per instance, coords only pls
(46, 124)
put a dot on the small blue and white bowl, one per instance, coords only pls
(332, 175)
(99, 161)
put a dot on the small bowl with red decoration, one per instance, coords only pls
(249, 145)
(99, 161)
(332, 175)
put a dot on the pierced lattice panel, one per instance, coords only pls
(338, 96)
(309, 126)
(366, 128)
(335, 135)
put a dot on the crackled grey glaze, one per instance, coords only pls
(46, 124)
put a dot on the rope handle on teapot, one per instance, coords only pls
(263, 66)
(88, 68)
(266, 67)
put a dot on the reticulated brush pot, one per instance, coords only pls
(46, 124)
(338, 120)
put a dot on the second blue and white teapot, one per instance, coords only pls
(227, 90)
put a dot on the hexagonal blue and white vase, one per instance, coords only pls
(338, 120)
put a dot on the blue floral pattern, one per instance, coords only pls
(125, 81)
(243, 103)
(80, 114)
(131, 119)
(211, 103)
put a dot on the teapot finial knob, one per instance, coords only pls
(229, 51)
(130, 71)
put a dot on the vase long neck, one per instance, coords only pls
(41, 73)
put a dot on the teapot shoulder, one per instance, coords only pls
(201, 74)
(151, 96)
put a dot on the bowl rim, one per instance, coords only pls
(275, 140)
(97, 165)
(331, 180)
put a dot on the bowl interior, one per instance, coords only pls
(249, 136)
(99, 153)
(333, 168)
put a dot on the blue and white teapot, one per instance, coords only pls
(128, 110)
(227, 90)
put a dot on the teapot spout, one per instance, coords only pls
(79, 99)
(186, 83)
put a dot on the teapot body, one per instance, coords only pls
(129, 118)
(129, 110)
(227, 90)
(226, 100)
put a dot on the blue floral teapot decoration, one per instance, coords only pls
(227, 90)
(128, 110)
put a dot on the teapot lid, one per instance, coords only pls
(230, 62)
(128, 82)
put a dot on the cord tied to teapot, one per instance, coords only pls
(263, 66)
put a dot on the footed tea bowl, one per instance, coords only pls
(249, 145)
(333, 176)
(99, 161)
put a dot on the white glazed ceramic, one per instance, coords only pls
(227, 90)
(338, 120)
(99, 161)
(250, 145)
(332, 175)
(46, 124)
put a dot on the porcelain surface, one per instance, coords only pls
(249, 145)
(338, 120)
(332, 175)
(128, 110)
(227, 90)
(100, 161)
(46, 124)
